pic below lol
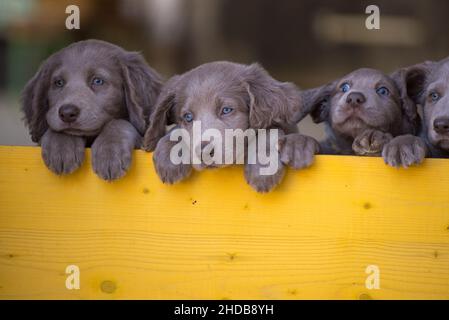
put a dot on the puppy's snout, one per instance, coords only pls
(205, 147)
(441, 125)
(69, 113)
(355, 98)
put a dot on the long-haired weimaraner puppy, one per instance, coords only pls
(363, 111)
(91, 93)
(223, 96)
(427, 84)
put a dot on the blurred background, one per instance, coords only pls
(309, 42)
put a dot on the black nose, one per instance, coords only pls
(441, 125)
(355, 98)
(69, 112)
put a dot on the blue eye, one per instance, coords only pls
(97, 81)
(226, 110)
(434, 96)
(59, 83)
(188, 117)
(383, 91)
(345, 87)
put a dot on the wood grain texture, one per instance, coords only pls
(213, 237)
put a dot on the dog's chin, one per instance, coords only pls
(443, 144)
(356, 117)
(440, 141)
(351, 126)
(74, 131)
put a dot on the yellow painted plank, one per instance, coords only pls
(213, 237)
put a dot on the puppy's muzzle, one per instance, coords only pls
(203, 148)
(441, 126)
(68, 113)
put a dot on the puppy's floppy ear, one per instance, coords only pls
(141, 88)
(35, 100)
(162, 115)
(317, 101)
(410, 82)
(271, 102)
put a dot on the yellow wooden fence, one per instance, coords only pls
(213, 237)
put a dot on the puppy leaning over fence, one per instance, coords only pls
(90, 93)
(227, 96)
(427, 84)
(363, 111)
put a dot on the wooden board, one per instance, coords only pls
(213, 237)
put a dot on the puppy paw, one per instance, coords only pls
(404, 151)
(298, 151)
(111, 161)
(167, 171)
(62, 154)
(170, 173)
(262, 183)
(370, 142)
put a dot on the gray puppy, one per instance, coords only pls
(363, 111)
(90, 93)
(427, 84)
(225, 95)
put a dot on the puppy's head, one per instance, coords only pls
(220, 96)
(364, 99)
(80, 88)
(428, 85)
